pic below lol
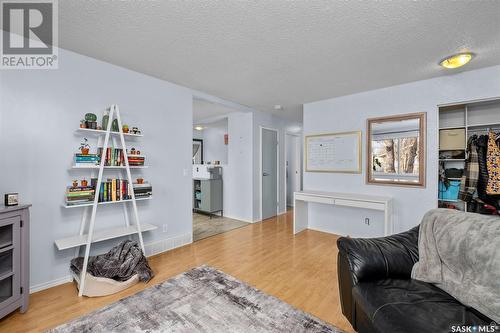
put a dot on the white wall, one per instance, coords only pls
(214, 148)
(40, 110)
(237, 174)
(349, 113)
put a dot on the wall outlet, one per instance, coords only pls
(165, 227)
(367, 221)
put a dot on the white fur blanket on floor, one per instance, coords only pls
(460, 253)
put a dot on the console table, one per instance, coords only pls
(363, 201)
(14, 258)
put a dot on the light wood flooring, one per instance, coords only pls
(299, 270)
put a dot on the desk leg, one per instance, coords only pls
(300, 216)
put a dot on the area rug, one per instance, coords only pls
(200, 300)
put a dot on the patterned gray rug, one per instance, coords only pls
(200, 300)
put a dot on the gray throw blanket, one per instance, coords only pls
(120, 263)
(460, 253)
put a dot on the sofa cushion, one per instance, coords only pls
(394, 305)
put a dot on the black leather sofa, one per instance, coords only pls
(378, 295)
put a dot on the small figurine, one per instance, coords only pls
(84, 147)
(135, 130)
(140, 180)
(75, 183)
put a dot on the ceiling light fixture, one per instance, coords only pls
(198, 128)
(456, 60)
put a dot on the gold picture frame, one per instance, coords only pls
(422, 126)
(329, 162)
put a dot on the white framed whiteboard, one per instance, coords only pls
(334, 152)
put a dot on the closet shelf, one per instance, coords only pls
(483, 125)
(91, 203)
(102, 132)
(451, 127)
(102, 235)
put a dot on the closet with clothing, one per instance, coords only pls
(469, 156)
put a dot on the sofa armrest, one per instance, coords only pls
(365, 259)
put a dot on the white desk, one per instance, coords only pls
(363, 201)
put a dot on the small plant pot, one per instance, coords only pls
(75, 183)
(84, 182)
(140, 181)
(85, 151)
(83, 125)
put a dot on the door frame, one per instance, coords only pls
(278, 173)
(298, 161)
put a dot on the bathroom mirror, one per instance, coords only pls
(396, 150)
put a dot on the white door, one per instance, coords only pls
(269, 173)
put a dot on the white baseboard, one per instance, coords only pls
(167, 244)
(50, 284)
(153, 248)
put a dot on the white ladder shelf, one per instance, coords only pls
(86, 239)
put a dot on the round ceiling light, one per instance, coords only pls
(456, 60)
(198, 128)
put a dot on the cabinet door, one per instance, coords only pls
(10, 260)
(205, 195)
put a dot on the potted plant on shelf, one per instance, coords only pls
(84, 147)
(84, 182)
(82, 124)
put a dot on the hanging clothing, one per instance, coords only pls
(493, 164)
(468, 185)
(482, 149)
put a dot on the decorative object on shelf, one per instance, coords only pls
(84, 147)
(125, 128)
(138, 152)
(114, 126)
(83, 123)
(105, 119)
(132, 151)
(140, 180)
(75, 183)
(396, 150)
(84, 182)
(11, 199)
(135, 130)
(90, 117)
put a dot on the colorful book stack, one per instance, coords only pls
(114, 156)
(144, 190)
(79, 195)
(114, 190)
(86, 160)
(136, 160)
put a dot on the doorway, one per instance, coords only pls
(293, 166)
(269, 172)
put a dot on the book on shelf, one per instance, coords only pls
(113, 157)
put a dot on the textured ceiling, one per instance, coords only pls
(203, 110)
(262, 53)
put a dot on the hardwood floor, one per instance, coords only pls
(299, 270)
